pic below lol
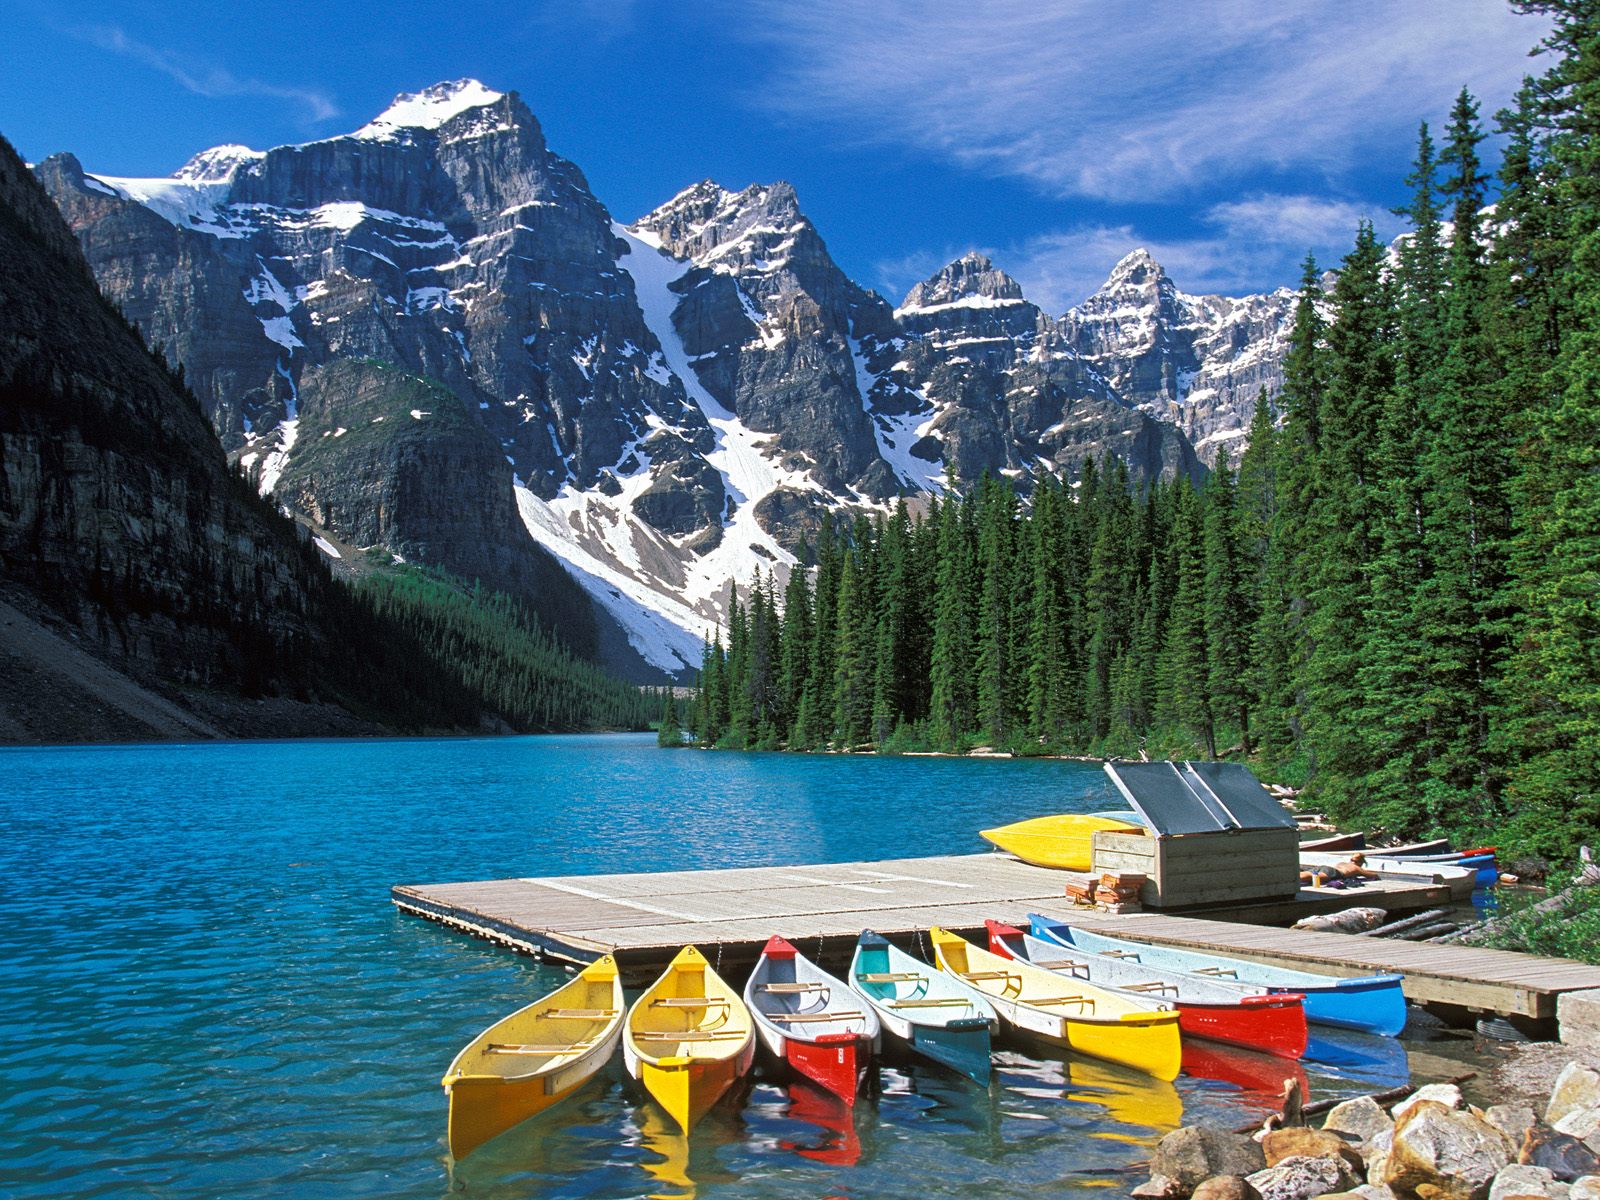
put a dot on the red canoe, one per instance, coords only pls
(1218, 1009)
(811, 1022)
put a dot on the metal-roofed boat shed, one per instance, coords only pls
(1212, 835)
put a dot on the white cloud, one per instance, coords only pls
(1135, 102)
(207, 79)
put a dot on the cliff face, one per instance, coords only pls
(117, 508)
(122, 523)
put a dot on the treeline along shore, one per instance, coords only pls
(1393, 597)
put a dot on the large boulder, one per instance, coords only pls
(1454, 1155)
(1566, 1156)
(1303, 1178)
(1292, 1142)
(1447, 1094)
(1577, 1088)
(1192, 1155)
(1362, 1119)
(1585, 1188)
(1226, 1187)
(1512, 1120)
(1519, 1182)
(1584, 1124)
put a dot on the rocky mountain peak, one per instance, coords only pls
(703, 219)
(1137, 269)
(218, 164)
(428, 109)
(970, 280)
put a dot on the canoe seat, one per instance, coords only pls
(1080, 1001)
(989, 975)
(932, 1002)
(822, 1016)
(1155, 985)
(688, 1002)
(1228, 971)
(689, 1035)
(790, 989)
(1133, 954)
(577, 1014)
(891, 977)
(1060, 964)
(531, 1048)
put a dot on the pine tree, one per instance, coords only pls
(1280, 641)
(1228, 605)
(1186, 698)
(952, 708)
(1557, 496)
(854, 660)
(996, 555)
(1392, 676)
(1341, 532)
(1466, 516)
(671, 731)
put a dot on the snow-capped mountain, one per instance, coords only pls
(429, 336)
(1199, 362)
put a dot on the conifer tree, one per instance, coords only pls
(1341, 531)
(1228, 605)
(1280, 642)
(951, 709)
(1466, 514)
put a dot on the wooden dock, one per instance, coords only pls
(644, 919)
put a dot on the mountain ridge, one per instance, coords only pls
(755, 389)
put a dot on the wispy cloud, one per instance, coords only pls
(1252, 245)
(1136, 102)
(206, 79)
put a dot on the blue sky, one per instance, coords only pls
(1227, 136)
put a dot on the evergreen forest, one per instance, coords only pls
(1391, 597)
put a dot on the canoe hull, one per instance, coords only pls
(482, 1108)
(925, 1010)
(1208, 1008)
(1272, 1025)
(836, 1062)
(687, 1088)
(1372, 1003)
(1065, 842)
(534, 1058)
(964, 1046)
(1145, 1040)
(705, 1035)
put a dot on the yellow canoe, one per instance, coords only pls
(1071, 1013)
(534, 1058)
(1065, 842)
(689, 1038)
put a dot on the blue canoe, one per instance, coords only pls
(934, 1014)
(1372, 1003)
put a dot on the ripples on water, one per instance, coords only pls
(206, 991)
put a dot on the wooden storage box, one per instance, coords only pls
(1205, 868)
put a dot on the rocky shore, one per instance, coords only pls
(1431, 1145)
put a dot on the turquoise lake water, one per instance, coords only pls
(206, 991)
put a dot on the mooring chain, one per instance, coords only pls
(718, 967)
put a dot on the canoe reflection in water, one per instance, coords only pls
(1140, 1107)
(1259, 1079)
(1365, 1058)
(837, 1141)
(680, 1164)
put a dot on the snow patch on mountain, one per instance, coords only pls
(427, 109)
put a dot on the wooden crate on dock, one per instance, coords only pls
(1204, 868)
